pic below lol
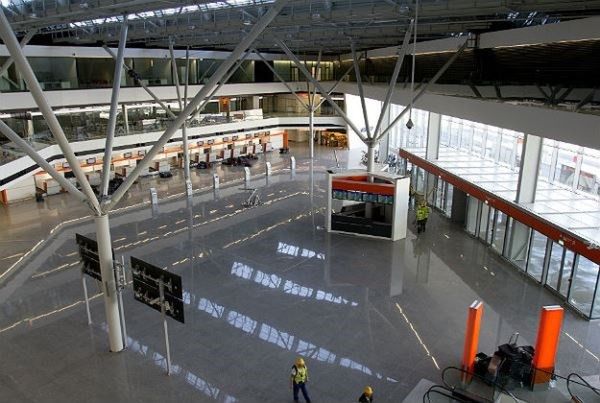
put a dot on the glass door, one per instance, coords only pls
(472, 215)
(489, 236)
(439, 193)
(554, 266)
(448, 199)
(537, 255)
(483, 221)
(566, 272)
(499, 232)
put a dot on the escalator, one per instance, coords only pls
(581, 391)
(441, 394)
(460, 385)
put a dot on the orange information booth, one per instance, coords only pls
(368, 204)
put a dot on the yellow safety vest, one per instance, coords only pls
(301, 374)
(422, 213)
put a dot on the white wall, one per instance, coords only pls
(354, 111)
(21, 190)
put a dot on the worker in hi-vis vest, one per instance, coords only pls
(367, 396)
(299, 378)
(422, 216)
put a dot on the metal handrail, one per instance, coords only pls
(495, 385)
(434, 389)
(585, 384)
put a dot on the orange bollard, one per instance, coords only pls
(546, 345)
(474, 317)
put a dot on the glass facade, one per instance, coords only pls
(491, 157)
(59, 73)
(502, 146)
(570, 166)
(401, 136)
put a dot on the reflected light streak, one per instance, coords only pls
(24, 256)
(582, 346)
(192, 379)
(277, 337)
(44, 315)
(12, 256)
(270, 228)
(59, 268)
(418, 336)
(294, 250)
(273, 281)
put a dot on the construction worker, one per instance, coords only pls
(367, 396)
(422, 215)
(298, 379)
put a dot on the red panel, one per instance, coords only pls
(539, 224)
(368, 187)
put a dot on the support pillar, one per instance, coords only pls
(433, 136)
(125, 118)
(432, 151)
(528, 173)
(255, 102)
(30, 129)
(109, 286)
(311, 131)
(384, 142)
(526, 188)
(371, 156)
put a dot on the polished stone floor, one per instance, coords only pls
(261, 287)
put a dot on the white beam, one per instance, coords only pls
(21, 62)
(114, 109)
(568, 31)
(257, 29)
(38, 159)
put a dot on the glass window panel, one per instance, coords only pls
(448, 204)
(478, 140)
(445, 131)
(596, 307)
(421, 180)
(565, 165)
(566, 272)
(507, 148)
(583, 285)
(554, 265)
(439, 194)
(589, 177)
(499, 232)
(472, 207)
(154, 71)
(537, 254)
(466, 136)
(546, 160)
(96, 73)
(455, 130)
(519, 235)
(483, 221)
(490, 227)
(55, 73)
(492, 145)
(518, 152)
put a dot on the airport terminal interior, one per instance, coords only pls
(300, 200)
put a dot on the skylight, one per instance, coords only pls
(166, 12)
